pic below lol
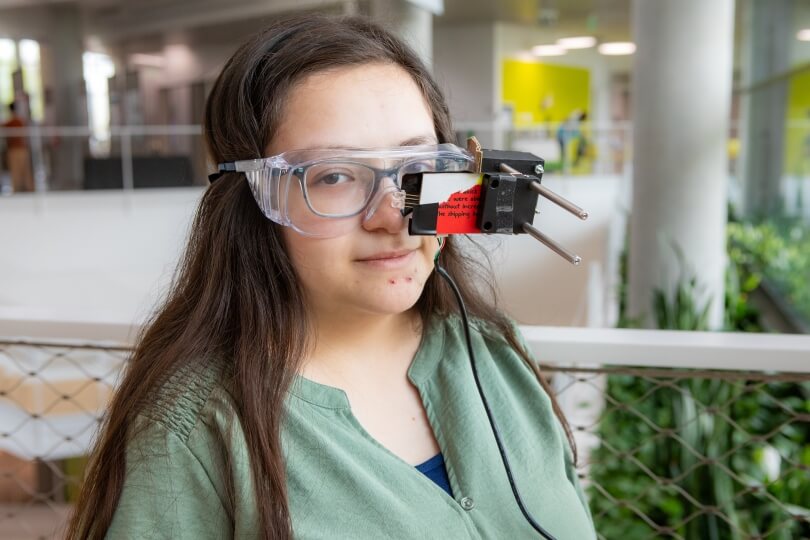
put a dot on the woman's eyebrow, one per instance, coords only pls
(422, 139)
(413, 141)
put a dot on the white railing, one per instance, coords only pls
(670, 349)
(564, 346)
(41, 137)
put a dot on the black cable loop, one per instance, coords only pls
(442, 272)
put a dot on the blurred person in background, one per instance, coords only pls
(570, 131)
(583, 145)
(18, 158)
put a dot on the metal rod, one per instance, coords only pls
(552, 245)
(507, 169)
(559, 200)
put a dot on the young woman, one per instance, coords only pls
(308, 375)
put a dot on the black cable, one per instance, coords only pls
(442, 272)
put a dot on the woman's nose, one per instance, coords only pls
(385, 211)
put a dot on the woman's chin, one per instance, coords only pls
(395, 295)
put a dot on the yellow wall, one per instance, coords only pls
(527, 86)
(797, 137)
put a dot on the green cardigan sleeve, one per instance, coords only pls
(168, 491)
(571, 473)
(570, 469)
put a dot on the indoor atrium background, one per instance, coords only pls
(677, 347)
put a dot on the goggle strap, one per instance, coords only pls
(222, 168)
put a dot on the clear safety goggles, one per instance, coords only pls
(328, 193)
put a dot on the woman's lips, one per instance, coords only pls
(389, 260)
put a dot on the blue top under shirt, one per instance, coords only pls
(435, 470)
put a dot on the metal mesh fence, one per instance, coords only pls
(52, 397)
(688, 454)
(663, 453)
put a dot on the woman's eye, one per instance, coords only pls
(422, 166)
(334, 178)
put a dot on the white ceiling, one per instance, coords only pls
(607, 18)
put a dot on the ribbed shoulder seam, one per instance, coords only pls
(178, 402)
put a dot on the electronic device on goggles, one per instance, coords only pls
(443, 189)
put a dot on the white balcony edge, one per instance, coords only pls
(561, 346)
(567, 346)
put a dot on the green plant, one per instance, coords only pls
(625, 321)
(688, 458)
(694, 455)
(681, 311)
(777, 250)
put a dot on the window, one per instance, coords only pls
(32, 77)
(98, 68)
(8, 65)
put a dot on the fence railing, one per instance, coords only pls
(686, 434)
(124, 157)
(52, 397)
(680, 434)
(57, 153)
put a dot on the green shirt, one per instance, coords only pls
(342, 483)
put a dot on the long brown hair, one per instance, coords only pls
(235, 294)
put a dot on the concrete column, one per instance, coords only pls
(681, 98)
(68, 94)
(411, 21)
(767, 35)
(465, 67)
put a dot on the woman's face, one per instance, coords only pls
(378, 268)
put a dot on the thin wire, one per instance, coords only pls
(442, 272)
(442, 243)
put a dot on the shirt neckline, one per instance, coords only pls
(423, 364)
(432, 463)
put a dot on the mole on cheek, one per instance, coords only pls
(408, 279)
(392, 282)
